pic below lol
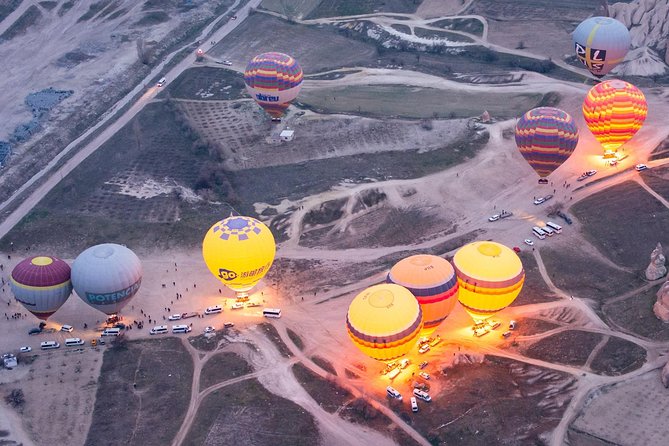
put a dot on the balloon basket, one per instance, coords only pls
(543, 181)
(241, 296)
(609, 154)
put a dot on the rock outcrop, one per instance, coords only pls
(656, 269)
(665, 375)
(661, 307)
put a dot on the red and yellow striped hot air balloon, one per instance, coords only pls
(490, 276)
(41, 284)
(273, 80)
(431, 279)
(384, 321)
(614, 111)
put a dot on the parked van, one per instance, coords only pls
(72, 342)
(554, 226)
(422, 395)
(48, 345)
(549, 232)
(538, 232)
(414, 404)
(393, 393)
(181, 328)
(67, 328)
(111, 332)
(158, 329)
(213, 310)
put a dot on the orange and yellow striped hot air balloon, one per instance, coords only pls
(614, 111)
(431, 279)
(384, 321)
(490, 276)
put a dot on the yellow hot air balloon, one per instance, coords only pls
(490, 276)
(239, 251)
(384, 321)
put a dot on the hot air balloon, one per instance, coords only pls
(431, 279)
(107, 276)
(239, 251)
(614, 111)
(384, 321)
(490, 276)
(41, 284)
(546, 137)
(601, 43)
(273, 80)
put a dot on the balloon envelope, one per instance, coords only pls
(107, 276)
(41, 284)
(384, 321)
(431, 279)
(546, 137)
(601, 43)
(614, 111)
(490, 276)
(273, 80)
(239, 251)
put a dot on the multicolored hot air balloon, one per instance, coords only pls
(107, 276)
(601, 43)
(490, 276)
(41, 284)
(546, 137)
(273, 80)
(431, 279)
(614, 111)
(239, 251)
(384, 321)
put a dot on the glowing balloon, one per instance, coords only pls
(490, 276)
(601, 43)
(239, 251)
(107, 276)
(273, 80)
(41, 284)
(432, 281)
(384, 321)
(614, 111)
(546, 137)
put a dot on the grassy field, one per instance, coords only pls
(581, 275)
(273, 335)
(617, 357)
(624, 222)
(535, 289)
(137, 382)
(534, 9)
(247, 414)
(658, 180)
(221, 367)
(324, 364)
(568, 347)
(7, 7)
(477, 407)
(27, 19)
(416, 102)
(328, 8)
(472, 26)
(325, 392)
(293, 9)
(635, 314)
(206, 83)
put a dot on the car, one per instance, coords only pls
(393, 393)
(234, 17)
(414, 404)
(613, 162)
(539, 200)
(505, 214)
(482, 331)
(528, 242)
(227, 63)
(213, 310)
(590, 172)
(101, 341)
(512, 325)
(422, 365)
(422, 395)
(506, 334)
(640, 167)
(424, 375)
(494, 217)
(424, 348)
(582, 177)
(161, 82)
(120, 325)
(26, 349)
(209, 329)
(237, 306)
(67, 328)
(516, 249)
(188, 315)
(34, 331)
(252, 303)
(423, 340)
(493, 324)
(174, 317)
(229, 324)
(404, 363)
(564, 216)
(436, 340)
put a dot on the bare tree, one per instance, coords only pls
(142, 51)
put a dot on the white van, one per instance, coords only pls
(554, 226)
(72, 342)
(414, 404)
(158, 329)
(111, 332)
(213, 310)
(538, 232)
(181, 328)
(272, 312)
(48, 345)
(422, 395)
(162, 82)
(393, 393)
(549, 232)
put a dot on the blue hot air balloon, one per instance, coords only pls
(601, 43)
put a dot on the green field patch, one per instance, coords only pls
(401, 28)
(624, 222)
(416, 102)
(469, 25)
(137, 382)
(635, 315)
(292, 9)
(221, 367)
(248, 414)
(206, 83)
(617, 357)
(571, 347)
(328, 8)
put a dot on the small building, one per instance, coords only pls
(287, 135)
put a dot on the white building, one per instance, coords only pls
(287, 135)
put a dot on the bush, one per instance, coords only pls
(15, 399)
